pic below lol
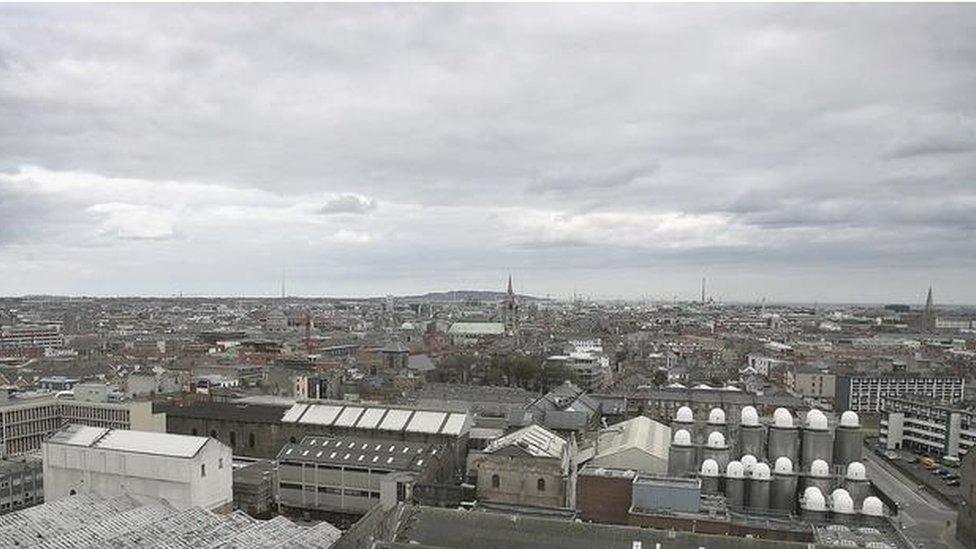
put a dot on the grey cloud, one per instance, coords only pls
(348, 204)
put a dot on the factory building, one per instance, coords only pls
(866, 392)
(185, 471)
(350, 475)
(531, 466)
(14, 339)
(927, 426)
(640, 444)
(21, 483)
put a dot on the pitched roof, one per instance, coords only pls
(535, 440)
(143, 442)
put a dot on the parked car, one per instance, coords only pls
(891, 455)
(952, 476)
(953, 482)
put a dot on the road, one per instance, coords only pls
(929, 522)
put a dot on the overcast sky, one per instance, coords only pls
(804, 153)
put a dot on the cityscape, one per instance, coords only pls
(481, 276)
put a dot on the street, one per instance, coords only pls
(928, 522)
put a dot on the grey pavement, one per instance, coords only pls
(929, 522)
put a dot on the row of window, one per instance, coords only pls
(540, 484)
(331, 490)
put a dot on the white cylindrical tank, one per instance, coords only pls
(784, 437)
(681, 456)
(709, 476)
(782, 494)
(841, 505)
(856, 483)
(872, 507)
(752, 435)
(848, 439)
(717, 449)
(734, 485)
(814, 505)
(818, 476)
(817, 440)
(716, 417)
(759, 487)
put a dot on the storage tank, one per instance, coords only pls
(681, 455)
(856, 483)
(818, 476)
(759, 487)
(684, 418)
(735, 487)
(848, 439)
(782, 494)
(716, 422)
(841, 506)
(814, 505)
(716, 449)
(872, 510)
(709, 476)
(817, 440)
(752, 435)
(749, 462)
(784, 437)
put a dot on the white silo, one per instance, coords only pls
(842, 506)
(784, 437)
(856, 483)
(848, 439)
(684, 418)
(783, 491)
(709, 476)
(813, 505)
(716, 448)
(681, 456)
(817, 440)
(759, 487)
(872, 510)
(735, 488)
(752, 435)
(716, 422)
(818, 476)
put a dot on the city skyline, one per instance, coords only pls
(798, 153)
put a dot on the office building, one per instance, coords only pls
(927, 426)
(21, 483)
(866, 392)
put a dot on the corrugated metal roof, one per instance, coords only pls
(534, 440)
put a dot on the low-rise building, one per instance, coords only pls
(638, 444)
(21, 483)
(927, 426)
(532, 466)
(185, 471)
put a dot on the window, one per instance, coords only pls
(233, 439)
(213, 433)
(250, 440)
(203, 469)
(194, 431)
(220, 463)
(541, 484)
(495, 481)
(292, 440)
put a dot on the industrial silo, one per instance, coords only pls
(759, 486)
(848, 439)
(709, 477)
(784, 437)
(818, 476)
(814, 505)
(752, 435)
(841, 506)
(749, 462)
(684, 418)
(782, 494)
(716, 449)
(856, 483)
(716, 422)
(681, 456)
(872, 511)
(817, 440)
(735, 487)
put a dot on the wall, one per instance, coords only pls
(603, 499)
(518, 477)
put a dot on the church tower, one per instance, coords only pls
(510, 308)
(928, 314)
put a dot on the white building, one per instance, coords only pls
(640, 444)
(186, 471)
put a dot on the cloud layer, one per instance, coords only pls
(801, 152)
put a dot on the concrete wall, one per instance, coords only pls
(603, 499)
(518, 478)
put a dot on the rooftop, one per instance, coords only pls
(143, 442)
(380, 418)
(361, 452)
(534, 440)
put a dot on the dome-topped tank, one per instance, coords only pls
(784, 466)
(749, 416)
(856, 471)
(749, 462)
(709, 468)
(841, 502)
(782, 418)
(761, 472)
(716, 416)
(684, 415)
(872, 507)
(819, 468)
(734, 470)
(716, 440)
(813, 500)
(816, 420)
(850, 419)
(682, 438)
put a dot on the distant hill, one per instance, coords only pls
(465, 295)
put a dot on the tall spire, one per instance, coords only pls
(928, 314)
(928, 301)
(510, 292)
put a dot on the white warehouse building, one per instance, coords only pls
(186, 471)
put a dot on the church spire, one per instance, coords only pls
(510, 292)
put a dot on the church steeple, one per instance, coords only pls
(928, 314)
(511, 293)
